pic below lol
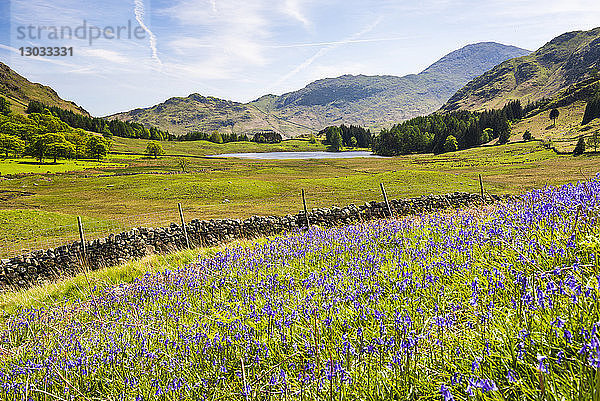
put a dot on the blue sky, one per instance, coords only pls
(240, 50)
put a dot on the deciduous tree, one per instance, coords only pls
(4, 106)
(97, 147)
(594, 140)
(216, 137)
(154, 149)
(10, 144)
(183, 164)
(451, 144)
(554, 113)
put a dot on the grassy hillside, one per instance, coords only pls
(371, 101)
(564, 61)
(564, 135)
(571, 104)
(492, 304)
(20, 91)
(195, 112)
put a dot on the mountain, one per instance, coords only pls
(371, 101)
(19, 91)
(560, 64)
(195, 112)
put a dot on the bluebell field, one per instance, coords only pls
(495, 303)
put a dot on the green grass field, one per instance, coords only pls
(217, 188)
(28, 165)
(202, 148)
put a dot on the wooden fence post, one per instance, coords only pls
(81, 237)
(305, 210)
(385, 199)
(481, 186)
(187, 240)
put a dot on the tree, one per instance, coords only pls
(312, 139)
(336, 140)
(79, 138)
(527, 135)
(4, 106)
(97, 147)
(503, 131)
(580, 147)
(451, 144)
(51, 144)
(183, 164)
(216, 137)
(386, 143)
(592, 110)
(353, 142)
(486, 135)
(554, 113)
(594, 140)
(10, 144)
(63, 149)
(154, 149)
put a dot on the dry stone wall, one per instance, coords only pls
(44, 265)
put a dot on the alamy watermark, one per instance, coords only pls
(85, 31)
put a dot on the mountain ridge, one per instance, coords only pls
(368, 100)
(565, 60)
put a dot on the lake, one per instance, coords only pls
(298, 155)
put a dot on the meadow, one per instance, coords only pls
(499, 303)
(127, 191)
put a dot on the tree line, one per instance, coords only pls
(44, 135)
(102, 126)
(215, 137)
(352, 136)
(267, 136)
(437, 133)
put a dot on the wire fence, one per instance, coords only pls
(53, 237)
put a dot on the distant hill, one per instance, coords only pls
(20, 91)
(564, 62)
(195, 112)
(371, 101)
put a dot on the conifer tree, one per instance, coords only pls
(580, 147)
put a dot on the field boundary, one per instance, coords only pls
(46, 265)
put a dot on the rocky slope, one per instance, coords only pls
(562, 63)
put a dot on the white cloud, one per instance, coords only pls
(293, 9)
(238, 31)
(139, 12)
(105, 54)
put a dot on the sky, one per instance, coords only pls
(241, 50)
